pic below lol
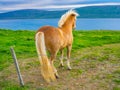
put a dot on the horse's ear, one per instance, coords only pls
(72, 14)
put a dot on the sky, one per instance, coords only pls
(11, 5)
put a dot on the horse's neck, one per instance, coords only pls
(67, 33)
(67, 29)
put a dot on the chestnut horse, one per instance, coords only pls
(54, 40)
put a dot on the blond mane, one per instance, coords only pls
(65, 17)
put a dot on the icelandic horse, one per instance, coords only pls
(55, 39)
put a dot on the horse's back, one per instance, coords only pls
(53, 37)
(45, 29)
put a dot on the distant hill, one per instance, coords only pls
(99, 12)
(85, 12)
(31, 14)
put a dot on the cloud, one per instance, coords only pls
(75, 6)
(10, 5)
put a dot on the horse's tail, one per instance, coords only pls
(46, 68)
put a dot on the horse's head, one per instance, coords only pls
(73, 20)
(68, 19)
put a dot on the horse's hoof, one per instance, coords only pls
(57, 76)
(61, 65)
(69, 68)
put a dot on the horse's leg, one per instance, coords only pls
(61, 58)
(53, 56)
(68, 56)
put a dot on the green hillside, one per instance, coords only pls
(85, 12)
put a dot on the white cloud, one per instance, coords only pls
(48, 4)
(75, 6)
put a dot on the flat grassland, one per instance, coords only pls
(95, 60)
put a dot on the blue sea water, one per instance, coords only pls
(82, 24)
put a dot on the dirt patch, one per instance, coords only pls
(93, 69)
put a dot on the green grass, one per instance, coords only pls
(84, 39)
(23, 43)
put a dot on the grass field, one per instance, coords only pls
(95, 60)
